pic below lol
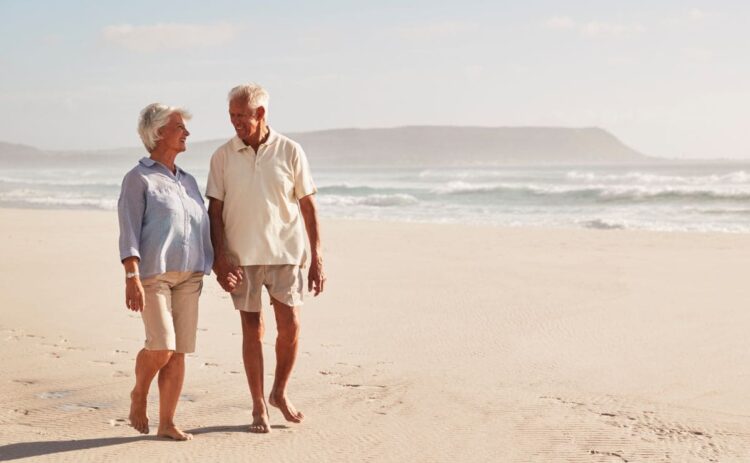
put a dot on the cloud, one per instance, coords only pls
(696, 15)
(559, 22)
(594, 29)
(692, 15)
(436, 30)
(597, 29)
(169, 36)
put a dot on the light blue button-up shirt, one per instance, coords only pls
(163, 221)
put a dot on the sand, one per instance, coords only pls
(431, 343)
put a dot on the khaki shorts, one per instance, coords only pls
(170, 316)
(283, 283)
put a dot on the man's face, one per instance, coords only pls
(245, 121)
(174, 134)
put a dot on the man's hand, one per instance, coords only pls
(315, 277)
(135, 298)
(229, 276)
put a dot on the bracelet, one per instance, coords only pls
(131, 274)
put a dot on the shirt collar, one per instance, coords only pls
(148, 162)
(240, 145)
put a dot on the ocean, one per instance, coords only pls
(705, 197)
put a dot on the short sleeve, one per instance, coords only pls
(215, 186)
(303, 182)
(130, 209)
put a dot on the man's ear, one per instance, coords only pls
(260, 112)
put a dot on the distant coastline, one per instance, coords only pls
(416, 145)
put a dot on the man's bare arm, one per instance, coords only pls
(315, 278)
(228, 275)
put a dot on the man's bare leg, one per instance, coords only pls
(147, 364)
(252, 356)
(171, 377)
(287, 341)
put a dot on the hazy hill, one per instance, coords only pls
(417, 145)
(466, 145)
(10, 149)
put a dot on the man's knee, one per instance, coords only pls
(252, 325)
(288, 326)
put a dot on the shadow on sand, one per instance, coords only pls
(236, 428)
(39, 448)
(35, 449)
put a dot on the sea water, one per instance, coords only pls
(667, 197)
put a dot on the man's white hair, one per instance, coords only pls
(154, 117)
(255, 95)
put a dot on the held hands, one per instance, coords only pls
(135, 299)
(315, 277)
(229, 276)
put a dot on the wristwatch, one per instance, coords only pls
(131, 274)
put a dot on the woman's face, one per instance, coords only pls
(174, 134)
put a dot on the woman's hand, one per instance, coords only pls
(135, 298)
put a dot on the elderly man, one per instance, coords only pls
(260, 192)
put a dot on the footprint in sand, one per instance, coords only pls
(363, 386)
(89, 407)
(103, 362)
(118, 422)
(54, 394)
(121, 374)
(25, 382)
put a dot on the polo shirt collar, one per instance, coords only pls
(240, 145)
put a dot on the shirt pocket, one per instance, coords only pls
(164, 201)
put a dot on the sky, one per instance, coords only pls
(668, 78)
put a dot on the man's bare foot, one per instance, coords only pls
(138, 417)
(286, 407)
(260, 424)
(173, 432)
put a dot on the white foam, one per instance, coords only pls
(369, 200)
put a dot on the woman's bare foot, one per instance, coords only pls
(286, 407)
(173, 432)
(138, 417)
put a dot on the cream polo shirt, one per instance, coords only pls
(262, 220)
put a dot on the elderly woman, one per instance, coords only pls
(165, 247)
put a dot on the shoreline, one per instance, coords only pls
(393, 222)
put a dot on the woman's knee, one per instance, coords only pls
(158, 357)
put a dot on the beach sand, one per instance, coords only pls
(430, 343)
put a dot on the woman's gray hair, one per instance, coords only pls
(154, 117)
(255, 95)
